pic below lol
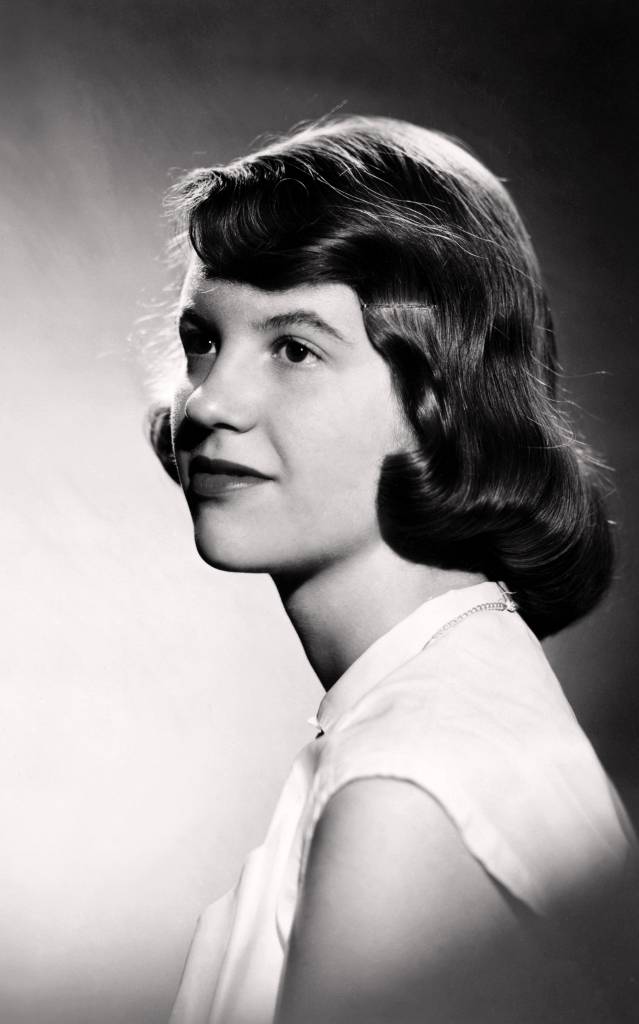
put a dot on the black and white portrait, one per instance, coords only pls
(319, 513)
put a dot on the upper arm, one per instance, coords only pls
(396, 917)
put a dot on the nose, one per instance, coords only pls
(225, 398)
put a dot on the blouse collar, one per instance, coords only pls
(401, 643)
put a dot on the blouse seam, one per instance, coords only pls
(515, 878)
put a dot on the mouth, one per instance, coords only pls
(212, 478)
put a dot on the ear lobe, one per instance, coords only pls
(158, 428)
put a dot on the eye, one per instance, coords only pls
(292, 351)
(196, 342)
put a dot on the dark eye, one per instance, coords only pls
(196, 342)
(295, 352)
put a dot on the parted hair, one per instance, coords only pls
(452, 298)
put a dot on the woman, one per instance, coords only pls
(367, 412)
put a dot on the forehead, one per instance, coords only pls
(337, 303)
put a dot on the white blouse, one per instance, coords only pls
(474, 716)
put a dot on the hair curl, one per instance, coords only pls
(452, 298)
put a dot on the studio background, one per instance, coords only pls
(150, 705)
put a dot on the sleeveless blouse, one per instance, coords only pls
(474, 716)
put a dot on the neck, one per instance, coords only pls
(340, 610)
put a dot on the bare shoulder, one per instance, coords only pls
(394, 913)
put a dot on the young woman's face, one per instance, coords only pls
(287, 385)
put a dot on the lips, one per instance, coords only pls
(211, 478)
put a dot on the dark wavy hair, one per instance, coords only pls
(452, 298)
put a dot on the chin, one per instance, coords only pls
(250, 555)
(229, 557)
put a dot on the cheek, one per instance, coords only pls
(181, 393)
(178, 404)
(344, 442)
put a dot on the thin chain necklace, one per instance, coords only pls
(506, 605)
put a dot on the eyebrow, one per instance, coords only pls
(294, 318)
(188, 313)
(299, 318)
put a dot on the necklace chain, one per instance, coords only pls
(507, 605)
